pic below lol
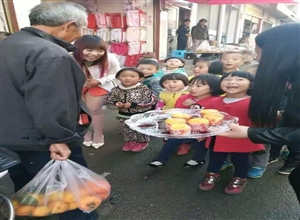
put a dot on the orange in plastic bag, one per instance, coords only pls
(59, 187)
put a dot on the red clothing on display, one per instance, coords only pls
(200, 103)
(237, 109)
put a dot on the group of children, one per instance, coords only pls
(219, 85)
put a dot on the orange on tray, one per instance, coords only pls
(181, 115)
(214, 118)
(171, 121)
(180, 129)
(199, 124)
(208, 111)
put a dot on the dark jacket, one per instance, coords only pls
(288, 133)
(182, 31)
(41, 87)
(200, 33)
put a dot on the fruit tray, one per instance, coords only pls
(152, 123)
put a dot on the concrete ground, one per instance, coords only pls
(171, 193)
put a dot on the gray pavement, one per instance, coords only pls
(171, 193)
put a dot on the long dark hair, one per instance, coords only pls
(91, 42)
(241, 74)
(279, 66)
(211, 80)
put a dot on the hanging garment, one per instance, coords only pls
(132, 60)
(143, 19)
(88, 31)
(92, 22)
(133, 34)
(143, 34)
(119, 48)
(134, 48)
(116, 20)
(104, 33)
(107, 19)
(143, 47)
(118, 35)
(133, 18)
(101, 20)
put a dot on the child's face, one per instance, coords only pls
(201, 68)
(92, 54)
(231, 61)
(129, 78)
(174, 64)
(235, 86)
(147, 69)
(198, 89)
(173, 85)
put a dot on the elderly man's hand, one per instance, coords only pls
(59, 151)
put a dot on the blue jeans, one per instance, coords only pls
(239, 160)
(172, 144)
(32, 162)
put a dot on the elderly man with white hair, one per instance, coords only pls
(40, 95)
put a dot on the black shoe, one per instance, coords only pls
(272, 160)
(285, 170)
(193, 163)
(155, 164)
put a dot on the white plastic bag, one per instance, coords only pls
(59, 187)
(204, 46)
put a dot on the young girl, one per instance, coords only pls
(202, 89)
(237, 86)
(100, 68)
(201, 67)
(131, 97)
(173, 65)
(174, 86)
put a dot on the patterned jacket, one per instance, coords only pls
(141, 98)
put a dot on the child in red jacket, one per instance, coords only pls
(237, 86)
(202, 89)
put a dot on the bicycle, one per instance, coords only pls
(8, 159)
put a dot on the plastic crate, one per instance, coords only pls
(178, 53)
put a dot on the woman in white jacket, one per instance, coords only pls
(100, 68)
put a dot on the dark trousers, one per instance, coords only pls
(239, 160)
(172, 144)
(32, 162)
(293, 159)
(294, 179)
(181, 43)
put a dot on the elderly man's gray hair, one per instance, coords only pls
(53, 14)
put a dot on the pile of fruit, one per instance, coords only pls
(181, 124)
(87, 198)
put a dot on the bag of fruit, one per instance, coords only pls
(59, 187)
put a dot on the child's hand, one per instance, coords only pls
(119, 105)
(127, 105)
(188, 102)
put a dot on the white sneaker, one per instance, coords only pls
(2, 174)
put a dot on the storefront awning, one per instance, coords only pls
(219, 2)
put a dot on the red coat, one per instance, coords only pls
(238, 109)
(199, 104)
